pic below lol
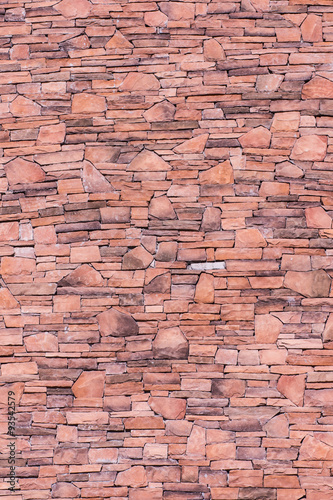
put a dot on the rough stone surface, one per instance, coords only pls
(170, 343)
(166, 249)
(116, 323)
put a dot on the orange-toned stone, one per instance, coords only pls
(277, 427)
(21, 171)
(267, 328)
(310, 284)
(17, 265)
(274, 189)
(52, 134)
(22, 368)
(221, 174)
(192, 146)
(45, 342)
(118, 41)
(66, 303)
(103, 455)
(140, 81)
(148, 161)
(310, 148)
(286, 122)
(316, 217)
(93, 181)
(133, 477)
(74, 10)
(138, 258)
(296, 262)
(268, 83)
(167, 251)
(259, 137)
(88, 103)
(19, 52)
(116, 323)
(84, 275)
(85, 254)
(24, 107)
(318, 397)
(213, 51)
(170, 343)
(287, 169)
(328, 332)
(115, 215)
(155, 19)
(211, 219)
(311, 29)
(292, 387)
(67, 433)
(169, 408)
(65, 490)
(226, 356)
(260, 5)
(314, 449)
(249, 238)
(45, 235)
(161, 112)
(9, 231)
(161, 208)
(101, 154)
(7, 300)
(177, 11)
(204, 290)
(196, 443)
(89, 385)
(318, 88)
(228, 388)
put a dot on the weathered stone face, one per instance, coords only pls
(116, 323)
(310, 284)
(170, 343)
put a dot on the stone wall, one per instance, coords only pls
(166, 249)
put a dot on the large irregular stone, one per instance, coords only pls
(221, 174)
(292, 387)
(328, 332)
(311, 29)
(52, 134)
(118, 41)
(259, 137)
(228, 388)
(249, 238)
(161, 208)
(7, 300)
(287, 169)
(169, 408)
(155, 19)
(314, 449)
(140, 81)
(316, 217)
(177, 11)
(21, 171)
(89, 385)
(160, 284)
(148, 161)
(277, 427)
(204, 290)
(24, 107)
(84, 275)
(310, 284)
(170, 343)
(138, 258)
(267, 328)
(196, 443)
(318, 397)
(74, 10)
(135, 477)
(213, 50)
(192, 146)
(88, 103)
(93, 181)
(211, 219)
(65, 490)
(268, 83)
(310, 148)
(45, 342)
(318, 88)
(286, 122)
(161, 112)
(167, 251)
(116, 323)
(102, 154)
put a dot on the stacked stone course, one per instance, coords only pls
(166, 255)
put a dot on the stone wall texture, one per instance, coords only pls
(166, 313)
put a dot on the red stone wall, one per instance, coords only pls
(166, 249)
